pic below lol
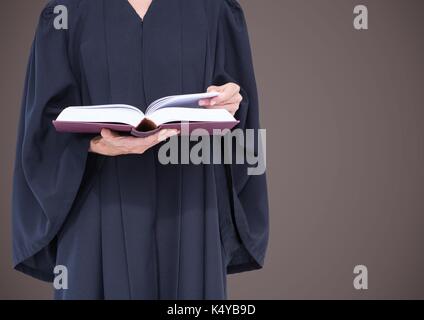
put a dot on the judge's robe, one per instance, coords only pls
(128, 227)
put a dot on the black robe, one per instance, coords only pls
(128, 227)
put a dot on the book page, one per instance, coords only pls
(167, 115)
(113, 113)
(185, 101)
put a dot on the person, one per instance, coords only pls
(123, 225)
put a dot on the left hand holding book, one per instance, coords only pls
(110, 143)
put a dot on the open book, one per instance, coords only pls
(165, 113)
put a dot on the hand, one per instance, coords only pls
(229, 98)
(110, 143)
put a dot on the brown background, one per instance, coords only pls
(344, 113)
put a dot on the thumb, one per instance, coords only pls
(107, 133)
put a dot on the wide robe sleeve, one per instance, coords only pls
(248, 193)
(49, 166)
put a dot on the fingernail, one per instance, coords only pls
(162, 138)
(202, 103)
(172, 133)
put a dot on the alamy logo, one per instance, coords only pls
(222, 147)
(360, 282)
(60, 281)
(360, 22)
(60, 22)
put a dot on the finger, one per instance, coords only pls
(235, 99)
(155, 139)
(232, 108)
(103, 148)
(94, 143)
(108, 134)
(108, 138)
(229, 91)
(96, 139)
(122, 143)
(111, 143)
(207, 102)
(167, 134)
(135, 142)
